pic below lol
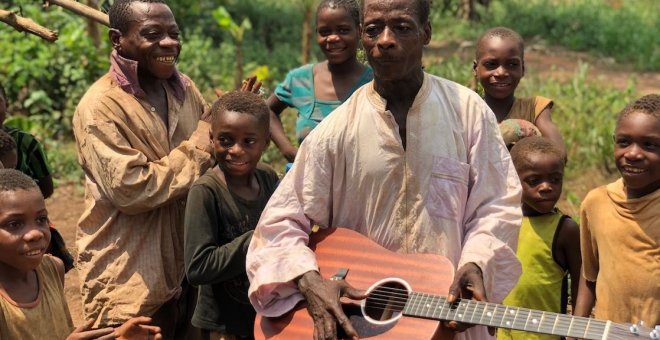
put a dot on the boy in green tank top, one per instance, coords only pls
(549, 241)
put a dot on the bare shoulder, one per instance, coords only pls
(59, 265)
(569, 235)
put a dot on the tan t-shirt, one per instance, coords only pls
(47, 317)
(620, 240)
(528, 108)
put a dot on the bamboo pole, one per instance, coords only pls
(82, 10)
(22, 24)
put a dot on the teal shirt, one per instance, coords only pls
(297, 91)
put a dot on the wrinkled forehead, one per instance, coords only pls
(144, 12)
(392, 8)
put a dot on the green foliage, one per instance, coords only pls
(628, 33)
(45, 81)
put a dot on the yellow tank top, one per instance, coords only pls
(540, 285)
(45, 318)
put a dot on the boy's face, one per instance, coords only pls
(152, 39)
(10, 160)
(637, 153)
(336, 34)
(238, 140)
(541, 178)
(499, 66)
(24, 231)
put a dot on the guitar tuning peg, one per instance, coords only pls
(655, 334)
(634, 329)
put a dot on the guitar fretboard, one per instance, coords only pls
(489, 314)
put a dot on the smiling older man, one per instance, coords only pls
(141, 144)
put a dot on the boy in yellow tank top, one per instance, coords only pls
(549, 242)
(32, 303)
(499, 65)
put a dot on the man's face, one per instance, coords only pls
(393, 38)
(151, 39)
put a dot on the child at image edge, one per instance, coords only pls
(549, 241)
(620, 225)
(32, 302)
(223, 208)
(499, 65)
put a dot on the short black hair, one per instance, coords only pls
(423, 10)
(350, 6)
(649, 104)
(243, 102)
(120, 13)
(7, 143)
(13, 180)
(530, 145)
(503, 33)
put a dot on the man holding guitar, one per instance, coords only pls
(413, 161)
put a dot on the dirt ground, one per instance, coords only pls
(66, 205)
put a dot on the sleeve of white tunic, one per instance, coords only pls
(278, 252)
(492, 213)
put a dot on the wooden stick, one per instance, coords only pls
(22, 24)
(82, 10)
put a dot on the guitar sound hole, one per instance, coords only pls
(386, 301)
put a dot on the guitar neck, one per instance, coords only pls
(489, 314)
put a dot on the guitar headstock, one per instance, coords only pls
(633, 331)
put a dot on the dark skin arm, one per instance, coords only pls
(322, 296)
(46, 186)
(568, 254)
(549, 129)
(586, 298)
(277, 134)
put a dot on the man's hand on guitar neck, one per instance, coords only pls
(468, 284)
(323, 304)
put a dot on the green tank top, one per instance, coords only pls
(540, 285)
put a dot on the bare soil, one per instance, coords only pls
(66, 205)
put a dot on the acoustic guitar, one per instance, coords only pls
(405, 301)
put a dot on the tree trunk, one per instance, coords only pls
(238, 76)
(307, 31)
(92, 26)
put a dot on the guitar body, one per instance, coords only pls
(368, 262)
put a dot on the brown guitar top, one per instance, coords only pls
(368, 262)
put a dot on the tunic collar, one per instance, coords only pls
(125, 72)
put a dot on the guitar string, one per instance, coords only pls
(581, 325)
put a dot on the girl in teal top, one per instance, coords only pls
(315, 90)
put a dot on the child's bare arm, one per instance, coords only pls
(586, 297)
(84, 333)
(569, 246)
(277, 133)
(549, 129)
